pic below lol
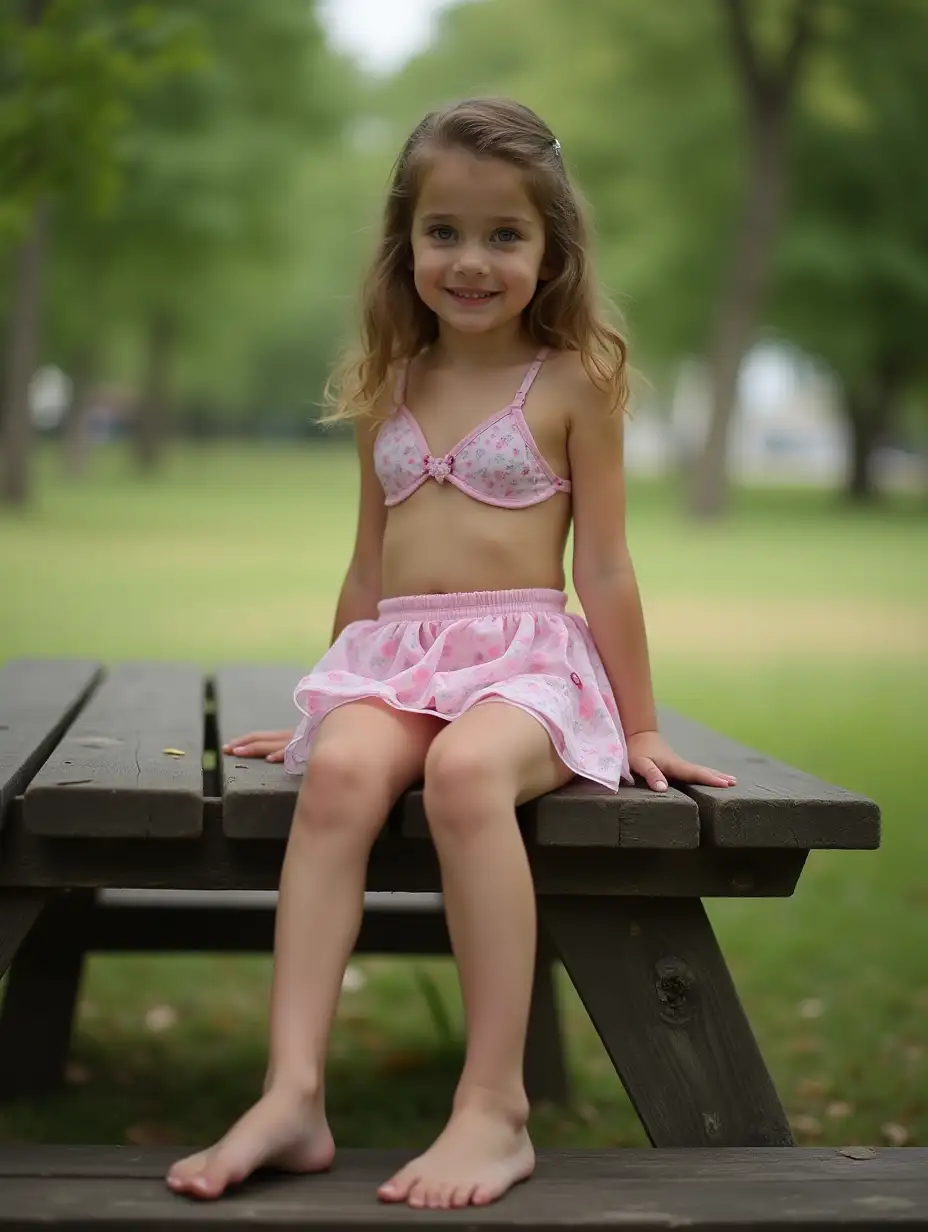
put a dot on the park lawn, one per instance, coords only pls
(795, 626)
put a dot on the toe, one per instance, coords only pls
(183, 1171)
(483, 1195)
(444, 1196)
(433, 1197)
(418, 1195)
(460, 1195)
(398, 1186)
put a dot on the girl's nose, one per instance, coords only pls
(472, 261)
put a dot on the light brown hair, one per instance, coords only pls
(565, 311)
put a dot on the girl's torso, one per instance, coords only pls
(477, 486)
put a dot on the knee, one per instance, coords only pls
(461, 781)
(342, 789)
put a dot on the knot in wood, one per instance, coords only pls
(675, 987)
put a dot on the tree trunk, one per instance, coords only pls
(871, 408)
(151, 416)
(767, 96)
(21, 358)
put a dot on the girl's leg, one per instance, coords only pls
(477, 770)
(363, 757)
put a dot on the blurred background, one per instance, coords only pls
(189, 192)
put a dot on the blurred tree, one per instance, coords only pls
(853, 276)
(207, 214)
(70, 72)
(768, 88)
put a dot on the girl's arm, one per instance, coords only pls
(604, 578)
(361, 589)
(360, 592)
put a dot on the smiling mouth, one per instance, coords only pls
(477, 296)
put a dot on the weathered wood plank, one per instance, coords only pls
(637, 1191)
(773, 804)
(655, 984)
(110, 775)
(583, 814)
(38, 699)
(259, 798)
(216, 862)
(667, 1166)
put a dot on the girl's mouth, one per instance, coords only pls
(471, 297)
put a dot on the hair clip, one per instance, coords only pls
(556, 146)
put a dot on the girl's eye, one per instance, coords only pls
(506, 235)
(441, 233)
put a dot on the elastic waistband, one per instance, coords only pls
(471, 604)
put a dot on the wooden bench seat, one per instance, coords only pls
(726, 1190)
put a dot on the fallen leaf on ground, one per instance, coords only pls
(811, 1088)
(398, 1061)
(148, 1133)
(808, 1126)
(803, 1044)
(812, 1007)
(894, 1133)
(353, 980)
(160, 1018)
(838, 1109)
(174, 752)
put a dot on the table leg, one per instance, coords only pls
(41, 994)
(545, 1065)
(19, 910)
(656, 986)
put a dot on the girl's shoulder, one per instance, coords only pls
(577, 386)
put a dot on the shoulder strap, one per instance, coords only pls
(526, 385)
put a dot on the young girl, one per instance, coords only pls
(488, 410)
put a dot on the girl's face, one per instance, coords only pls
(478, 242)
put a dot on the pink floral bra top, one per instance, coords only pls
(499, 463)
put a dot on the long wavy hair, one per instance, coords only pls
(566, 310)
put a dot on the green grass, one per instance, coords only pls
(796, 626)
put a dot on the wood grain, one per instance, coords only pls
(111, 776)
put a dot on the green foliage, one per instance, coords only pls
(853, 284)
(67, 87)
(209, 229)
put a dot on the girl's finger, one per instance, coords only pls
(258, 748)
(651, 773)
(278, 756)
(705, 775)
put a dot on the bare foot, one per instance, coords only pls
(476, 1158)
(284, 1129)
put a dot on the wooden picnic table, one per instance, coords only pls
(112, 778)
(93, 796)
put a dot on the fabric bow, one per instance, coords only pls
(439, 468)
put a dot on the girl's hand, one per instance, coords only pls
(650, 756)
(269, 745)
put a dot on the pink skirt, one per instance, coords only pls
(443, 654)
